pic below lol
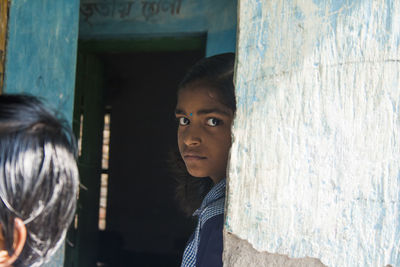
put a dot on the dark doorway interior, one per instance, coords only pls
(143, 224)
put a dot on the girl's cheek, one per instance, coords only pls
(180, 138)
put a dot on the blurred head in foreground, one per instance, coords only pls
(38, 181)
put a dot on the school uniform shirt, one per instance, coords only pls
(204, 248)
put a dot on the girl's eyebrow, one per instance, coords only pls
(205, 111)
(213, 110)
(180, 112)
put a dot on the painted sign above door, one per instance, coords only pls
(126, 19)
(125, 10)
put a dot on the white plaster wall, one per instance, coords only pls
(314, 169)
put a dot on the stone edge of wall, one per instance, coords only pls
(239, 253)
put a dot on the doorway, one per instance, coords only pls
(140, 223)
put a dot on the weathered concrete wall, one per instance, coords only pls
(241, 253)
(41, 57)
(314, 168)
(115, 19)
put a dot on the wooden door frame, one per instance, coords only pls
(3, 38)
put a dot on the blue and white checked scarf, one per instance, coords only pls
(212, 205)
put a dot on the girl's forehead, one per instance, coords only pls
(199, 91)
(200, 100)
(198, 96)
(201, 96)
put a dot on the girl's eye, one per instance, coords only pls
(183, 121)
(213, 122)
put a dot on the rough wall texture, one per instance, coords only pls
(243, 254)
(133, 19)
(314, 168)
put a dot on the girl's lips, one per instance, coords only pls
(193, 157)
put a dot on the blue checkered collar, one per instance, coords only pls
(216, 192)
(212, 205)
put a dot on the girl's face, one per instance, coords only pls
(204, 133)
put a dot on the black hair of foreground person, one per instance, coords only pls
(38, 181)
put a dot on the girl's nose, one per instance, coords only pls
(192, 141)
(192, 137)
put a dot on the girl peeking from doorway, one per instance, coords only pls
(204, 112)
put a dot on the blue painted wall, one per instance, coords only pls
(41, 57)
(41, 51)
(115, 19)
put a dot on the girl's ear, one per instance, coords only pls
(19, 242)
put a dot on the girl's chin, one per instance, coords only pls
(197, 173)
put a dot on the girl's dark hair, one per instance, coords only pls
(38, 177)
(215, 72)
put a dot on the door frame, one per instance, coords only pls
(82, 239)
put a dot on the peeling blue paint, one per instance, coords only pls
(318, 105)
(41, 51)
